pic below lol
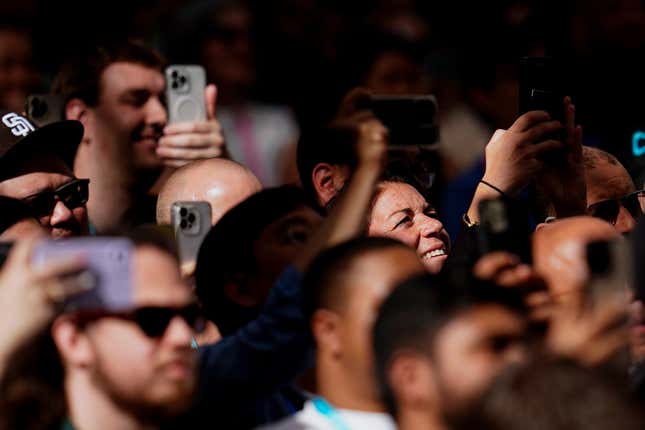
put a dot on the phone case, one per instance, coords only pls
(44, 109)
(504, 227)
(191, 222)
(109, 262)
(610, 269)
(185, 86)
(541, 86)
(411, 120)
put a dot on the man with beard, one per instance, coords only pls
(438, 345)
(133, 368)
(36, 165)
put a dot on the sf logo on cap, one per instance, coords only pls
(19, 126)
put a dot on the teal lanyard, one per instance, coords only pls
(329, 412)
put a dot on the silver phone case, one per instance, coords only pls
(185, 86)
(191, 222)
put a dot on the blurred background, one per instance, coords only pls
(300, 56)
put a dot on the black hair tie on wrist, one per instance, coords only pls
(502, 193)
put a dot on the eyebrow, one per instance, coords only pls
(405, 211)
(137, 92)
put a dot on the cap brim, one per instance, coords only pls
(59, 138)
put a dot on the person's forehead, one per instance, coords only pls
(156, 279)
(122, 76)
(578, 231)
(14, 42)
(31, 183)
(479, 323)
(396, 195)
(376, 273)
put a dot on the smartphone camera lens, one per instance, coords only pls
(183, 224)
(174, 74)
(182, 80)
(183, 212)
(191, 218)
(175, 85)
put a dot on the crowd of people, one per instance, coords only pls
(487, 280)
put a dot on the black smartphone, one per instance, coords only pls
(45, 109)
(542, 86)
(609, 264)
(504, 226)
(411, 120)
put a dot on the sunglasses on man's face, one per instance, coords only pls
(608, 210)
(154, 320)
(73, 195)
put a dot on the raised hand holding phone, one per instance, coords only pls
(29, 294)
(192, 133)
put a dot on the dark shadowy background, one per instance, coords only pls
(306, 53)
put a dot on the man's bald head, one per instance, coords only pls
(559, 251)
(607, 179)
(220, 182)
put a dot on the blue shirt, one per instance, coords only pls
(245, 377)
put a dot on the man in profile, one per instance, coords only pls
(345, 286)
(438, 345)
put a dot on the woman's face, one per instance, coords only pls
(400, 212)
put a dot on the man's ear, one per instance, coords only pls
(413, 381)
(328, 180)
(76, 109)
(326, 329)
(73, 344)
(241, 290)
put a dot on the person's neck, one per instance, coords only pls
(91, 408)
(419, 420)
(344, 389)
(113, 189)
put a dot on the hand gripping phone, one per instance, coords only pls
(410, 120)
(185, 98)
(109, 269)
(504, 226)
(542, 87)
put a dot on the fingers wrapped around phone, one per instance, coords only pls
(190, 141)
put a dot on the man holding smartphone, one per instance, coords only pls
(128, 149)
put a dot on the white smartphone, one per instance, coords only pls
(185, 84)
(191, 222)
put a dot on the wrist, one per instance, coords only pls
(370, 165)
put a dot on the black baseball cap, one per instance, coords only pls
(19, 135)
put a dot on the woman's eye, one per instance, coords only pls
(403, 222)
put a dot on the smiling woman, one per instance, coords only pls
(399, 211)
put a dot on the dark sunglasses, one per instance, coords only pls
(152, 320)
(608, 209)
(73, 194)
